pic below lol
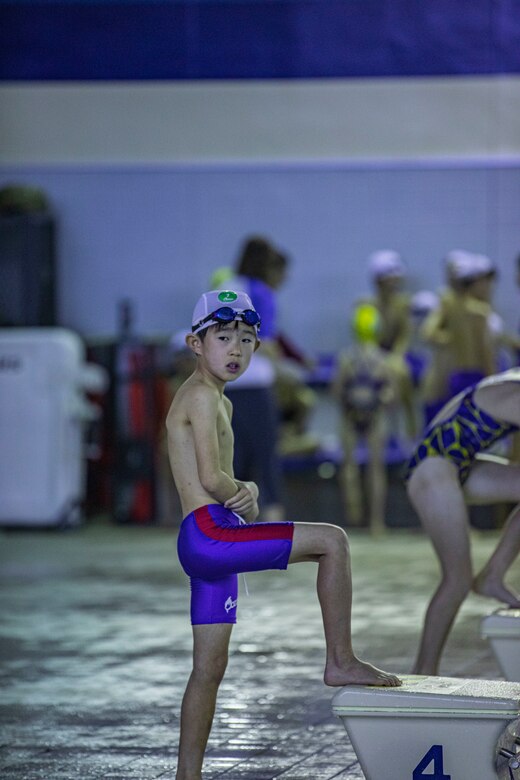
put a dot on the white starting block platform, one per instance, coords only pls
(502, 630)
(434, 728)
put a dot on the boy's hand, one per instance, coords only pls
(244, 502)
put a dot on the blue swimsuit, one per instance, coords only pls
(467, 432)
(214, 546)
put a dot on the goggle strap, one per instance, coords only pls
(223, 317)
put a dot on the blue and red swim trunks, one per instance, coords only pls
(215, 546)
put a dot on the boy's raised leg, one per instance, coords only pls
(328, 546)
(210, 656)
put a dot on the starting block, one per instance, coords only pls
(434, 728)
(502, 629)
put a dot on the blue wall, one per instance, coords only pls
(200, 39)
(156, 235)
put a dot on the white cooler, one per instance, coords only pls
(43, 409)
(502, 629)
(440, 728)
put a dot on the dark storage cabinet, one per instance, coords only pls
(28, 270)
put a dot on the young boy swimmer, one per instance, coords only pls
(218, 538)
(449, 471)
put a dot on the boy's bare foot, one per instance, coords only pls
(358, 673)
(495, 589)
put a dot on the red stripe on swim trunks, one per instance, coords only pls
(241, 533)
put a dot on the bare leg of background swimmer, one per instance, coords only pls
(439, 501)
(491, 482)
(350, 476)
(441, 504)
(377, 480)
(490, 580)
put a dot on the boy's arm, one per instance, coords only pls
(402, 341)
(433, 330)
(203, 414)
(388, 392)
(485, 342)
(245, 502)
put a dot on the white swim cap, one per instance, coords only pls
(385, 263)
(211, 302)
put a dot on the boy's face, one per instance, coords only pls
(389, 284)
(482, 288)
(226, 349)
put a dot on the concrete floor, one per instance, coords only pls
(95, 654)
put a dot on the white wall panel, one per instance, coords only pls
(383, 119)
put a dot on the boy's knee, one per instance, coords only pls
(218, 673)
(213, 671)
(337, 540)
(210, 678)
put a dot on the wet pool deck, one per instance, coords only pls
(95, 653)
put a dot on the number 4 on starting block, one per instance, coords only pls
(433, 756)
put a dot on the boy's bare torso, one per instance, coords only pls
(181, 442)
(467, 324)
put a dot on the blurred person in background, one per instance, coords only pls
(435, 392)
(506, 343)
(364, 389)
(419, 355)
(387, 273)
(259, 269)
(472, 334)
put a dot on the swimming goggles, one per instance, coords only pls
(226, 314)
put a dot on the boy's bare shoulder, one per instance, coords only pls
(189, 397)
(479, 310)
(228, 405)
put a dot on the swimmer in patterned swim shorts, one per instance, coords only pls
(219, 539)
(451, 469)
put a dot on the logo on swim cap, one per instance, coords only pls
(227, 296)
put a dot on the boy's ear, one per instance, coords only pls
(257, 343)
(194, 343)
